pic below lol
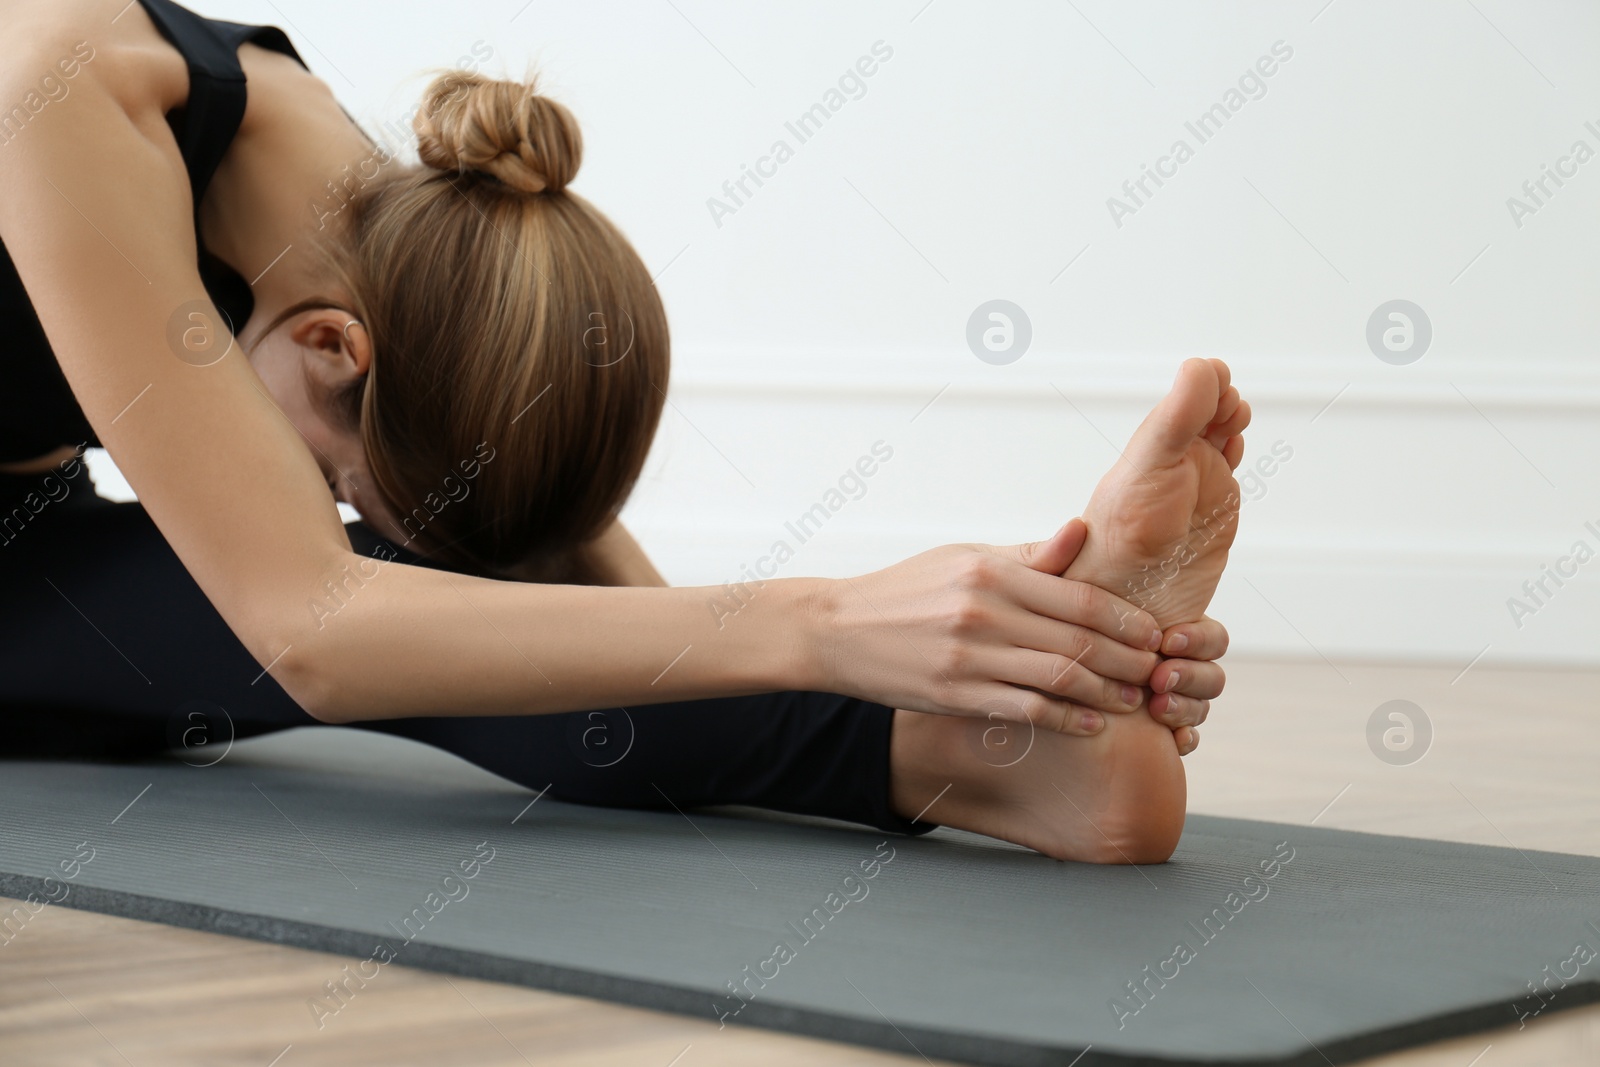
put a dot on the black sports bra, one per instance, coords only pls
(38, 413)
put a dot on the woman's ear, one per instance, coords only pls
(334, 343)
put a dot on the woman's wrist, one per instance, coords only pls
(772, 636)
(808, 660)
(801, 634)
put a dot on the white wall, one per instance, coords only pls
(826, 311)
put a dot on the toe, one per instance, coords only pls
(1233, 452)
(1232, 423)
(1223, 371)
(1181, 416)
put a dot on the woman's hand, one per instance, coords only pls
(1004, 635)
(1184, 687)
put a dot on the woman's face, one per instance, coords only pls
(309, 356)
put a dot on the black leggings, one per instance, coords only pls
(108, 649)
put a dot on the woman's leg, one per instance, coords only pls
(108, 648)
(806, 753)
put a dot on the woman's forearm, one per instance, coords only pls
(389, 640)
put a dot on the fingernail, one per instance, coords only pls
(1131, 696)
(1178, 643)
(1154, 644)
(1091, 721)
(1172, 683)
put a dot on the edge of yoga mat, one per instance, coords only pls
(683, 1000)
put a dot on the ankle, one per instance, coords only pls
(929, 777)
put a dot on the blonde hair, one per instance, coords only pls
(504, 313)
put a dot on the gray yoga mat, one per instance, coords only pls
(1301, 945)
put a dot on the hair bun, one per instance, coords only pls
(502, 128)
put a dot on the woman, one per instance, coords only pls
(257, 311)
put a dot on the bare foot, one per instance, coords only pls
(1160, 526)
(1117, 797)
(1163, 518)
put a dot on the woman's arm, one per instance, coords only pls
(1181, 686)
(95, 211)
(97, 216)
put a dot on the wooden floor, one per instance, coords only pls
(1514, 759)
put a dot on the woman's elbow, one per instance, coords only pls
(307, 677)
(309, 660)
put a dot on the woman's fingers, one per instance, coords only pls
(1052, 555)
(1007, 638)
(1203, 640)
(1188, 739)
(1184, 685)
(1173, 710)
(1191, 678)
(1065, 677)
(1044, 712)
(1072, 649)
(1081, 604)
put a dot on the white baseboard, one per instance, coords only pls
(1291, 379)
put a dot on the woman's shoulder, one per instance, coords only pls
(55, 47)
